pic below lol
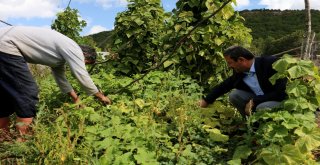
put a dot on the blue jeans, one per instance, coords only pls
(18, 90)
(240, 98)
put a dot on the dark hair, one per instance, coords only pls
(89, 53)
(234, 52)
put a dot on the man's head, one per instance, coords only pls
(238, 58)
(89, 54)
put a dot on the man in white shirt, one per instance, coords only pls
(18, 90)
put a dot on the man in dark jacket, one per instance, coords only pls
(250, 81)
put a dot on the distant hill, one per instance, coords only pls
(102, 39)
(276, 23)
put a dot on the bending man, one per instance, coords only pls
(18, 90)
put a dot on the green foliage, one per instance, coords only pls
(137, 32)
(69, 23)
(200, 53)
(145, 39)
(287, 134)
(155, 121)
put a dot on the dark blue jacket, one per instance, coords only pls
(264, 70)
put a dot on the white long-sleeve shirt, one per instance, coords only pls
(51, 48)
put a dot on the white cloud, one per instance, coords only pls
(243, 3)
(28, 9)
(288, 4)
(96, 29)
(106, 4)
(111, 3)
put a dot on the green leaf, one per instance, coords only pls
(186, 14)
(95, 117)
(309, 139)
(124, 159)
(242, 152)
(296, 89)
(288, 154)
(283, 64)
(291, 104)
(139, 102)
(177, 28)
(234, 162)
(301, 69)
(117, 41)
(215, 134)
(290, 124)
(167, 63)
(218, 41)
(189, 58)
(145, 157)
(138, 21)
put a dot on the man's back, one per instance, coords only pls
(47, 47)
(38, 45)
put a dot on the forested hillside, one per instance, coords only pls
(102, 39)
(277, 23)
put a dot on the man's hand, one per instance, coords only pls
(248, 108)
(74, 96)
(203, 103)
(102, 98)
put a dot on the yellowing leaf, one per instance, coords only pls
(218, 41)
(308, 140)
(215, 134)
(167, 64)
(139, 102)
(177, 28)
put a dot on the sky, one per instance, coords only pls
(100, 14)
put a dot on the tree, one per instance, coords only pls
(308, 41)
(200, 55)
(137, 35)
(69, 23)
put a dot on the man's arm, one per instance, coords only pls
(60, 78)
(218, 91)
(79, 71)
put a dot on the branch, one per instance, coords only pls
(96, 63)
(5, 23)
(281, 53)
(69, 3)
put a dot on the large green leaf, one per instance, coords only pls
(216, 134)
(138, 21)
(301, 69)
(283, 64)
(296, 89)
(309, 139)
(242, 152)
(288, 154)
(167, 63)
